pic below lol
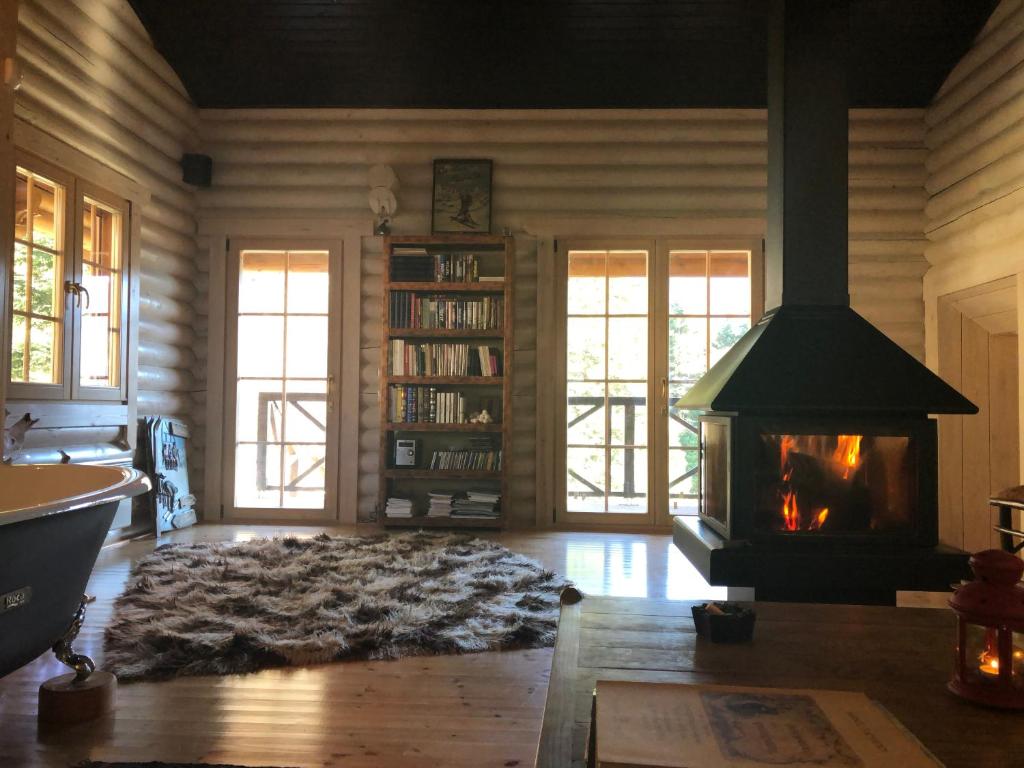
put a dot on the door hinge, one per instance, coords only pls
(227, 245)
(554, 244)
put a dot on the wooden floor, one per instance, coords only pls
(476, 710)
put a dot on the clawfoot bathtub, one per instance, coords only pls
(53, 520)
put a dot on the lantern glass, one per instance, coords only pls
(982, 656)
(1018, 660)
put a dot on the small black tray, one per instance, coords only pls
(734, 625)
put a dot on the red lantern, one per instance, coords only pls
(989, 666)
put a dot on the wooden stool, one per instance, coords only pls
(64, 701)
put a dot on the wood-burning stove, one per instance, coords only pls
(819, 460)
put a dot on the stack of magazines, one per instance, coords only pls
(397, 507)
(484, 505)
(441, 503)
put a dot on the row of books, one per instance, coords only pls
(407, 404)
(409, 310)
(442, 359)
(415, 264)
(489, 460)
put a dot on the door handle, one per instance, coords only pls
(330, 393)
(77, 289)
(664, 396)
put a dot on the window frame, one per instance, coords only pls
(76, 189)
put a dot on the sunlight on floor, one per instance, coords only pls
(618, 568)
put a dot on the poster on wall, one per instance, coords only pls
(462, 197)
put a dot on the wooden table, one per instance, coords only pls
(901, 657)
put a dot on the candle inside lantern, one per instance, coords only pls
(989, 657)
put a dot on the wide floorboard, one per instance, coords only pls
(475, 710)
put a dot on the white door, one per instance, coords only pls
(282, 355)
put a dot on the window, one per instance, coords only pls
(37, 295)
(68, 290)
(644, 320)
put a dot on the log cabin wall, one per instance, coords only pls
(973, 289)
(93, 80)
(578, 172)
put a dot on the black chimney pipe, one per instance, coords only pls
(808, 141)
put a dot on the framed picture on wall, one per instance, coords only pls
(462, 197)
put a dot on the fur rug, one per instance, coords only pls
(217, 609)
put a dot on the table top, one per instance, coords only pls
(901, 657)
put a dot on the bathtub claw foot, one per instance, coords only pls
(65, 653)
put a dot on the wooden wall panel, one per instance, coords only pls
(975, 236)
(93, 79)
(563, 172)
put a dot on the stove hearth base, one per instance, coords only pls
(856, 574)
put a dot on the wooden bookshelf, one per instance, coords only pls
(496, 256)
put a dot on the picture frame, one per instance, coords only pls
(461, 200)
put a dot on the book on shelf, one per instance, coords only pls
(417, 264)
(478, 504)
(407, 309)
(408, 404)
(442, 359)
(398, 507)
(456, 268)
(440, 503)
(474, 459)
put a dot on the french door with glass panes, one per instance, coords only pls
(643, 320)
(281, 354)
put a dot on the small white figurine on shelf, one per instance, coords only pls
(481, 418)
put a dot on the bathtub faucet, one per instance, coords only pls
(82, 664)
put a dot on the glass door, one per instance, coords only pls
(643, 322)
(607, 336)
(709, 308)
(283, 350)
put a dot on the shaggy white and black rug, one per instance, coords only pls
(216, 609)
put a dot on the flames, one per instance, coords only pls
(845, 460)
(847, 453)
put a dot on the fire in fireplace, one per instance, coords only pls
(804, 479)
(835, 483)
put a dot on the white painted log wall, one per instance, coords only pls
(93, 79)
(975, 231)
(975, 140)
(567, 168)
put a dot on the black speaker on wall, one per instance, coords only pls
(197, 170)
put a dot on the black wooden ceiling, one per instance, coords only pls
(533, 53)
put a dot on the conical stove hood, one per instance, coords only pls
(813, 354)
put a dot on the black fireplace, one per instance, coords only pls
(819, 455)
